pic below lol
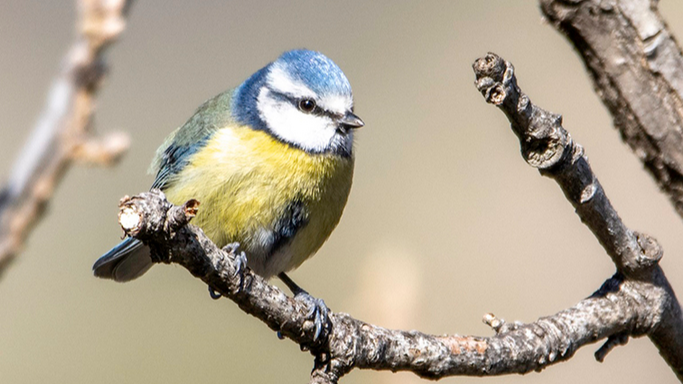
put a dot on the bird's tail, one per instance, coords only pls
(125, 262)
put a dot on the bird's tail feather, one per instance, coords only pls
(128, 260)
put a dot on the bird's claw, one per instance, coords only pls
(214, 295)
(240, 263)
(240, 268)
(318, 313)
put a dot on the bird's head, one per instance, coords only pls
(303, 99)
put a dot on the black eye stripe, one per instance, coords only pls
(295, 102)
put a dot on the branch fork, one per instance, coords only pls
(351, 343)
(636, 301)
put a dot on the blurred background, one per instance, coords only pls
(445, 221)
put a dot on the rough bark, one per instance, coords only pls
(637, 70)
(63, 133)
(636, 301)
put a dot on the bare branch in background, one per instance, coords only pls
(636, 301)
(637, 70)
(64, 131)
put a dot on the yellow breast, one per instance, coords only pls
(245, 179)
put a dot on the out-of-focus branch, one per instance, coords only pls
(63, 133)
(637, 70)
(547, 146)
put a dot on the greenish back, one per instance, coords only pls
(173, 154)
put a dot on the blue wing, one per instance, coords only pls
(126, 261)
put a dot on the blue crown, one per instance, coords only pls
(315, 70)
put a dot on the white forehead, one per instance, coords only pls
(338, 104)
(281, 81)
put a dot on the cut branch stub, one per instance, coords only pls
(132, 211)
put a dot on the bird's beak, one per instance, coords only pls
(351, 121)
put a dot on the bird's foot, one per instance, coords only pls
(240, 269)
(240, 264)
(318, 313)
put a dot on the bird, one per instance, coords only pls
(271, 162)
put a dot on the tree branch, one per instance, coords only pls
(547, 146)
(63, 132)
(637, 68)
(636, 301)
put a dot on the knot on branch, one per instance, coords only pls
(544, 143)
(651, 253)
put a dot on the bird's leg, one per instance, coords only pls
(318, 311)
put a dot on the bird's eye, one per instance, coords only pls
(307, 105)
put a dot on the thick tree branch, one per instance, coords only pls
(547, 146)
(636, 301)
(637, 69)
(63, 132)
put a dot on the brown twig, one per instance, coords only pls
(63, 133)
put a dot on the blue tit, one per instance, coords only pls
(271, 162)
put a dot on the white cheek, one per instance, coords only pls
(310, 132)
